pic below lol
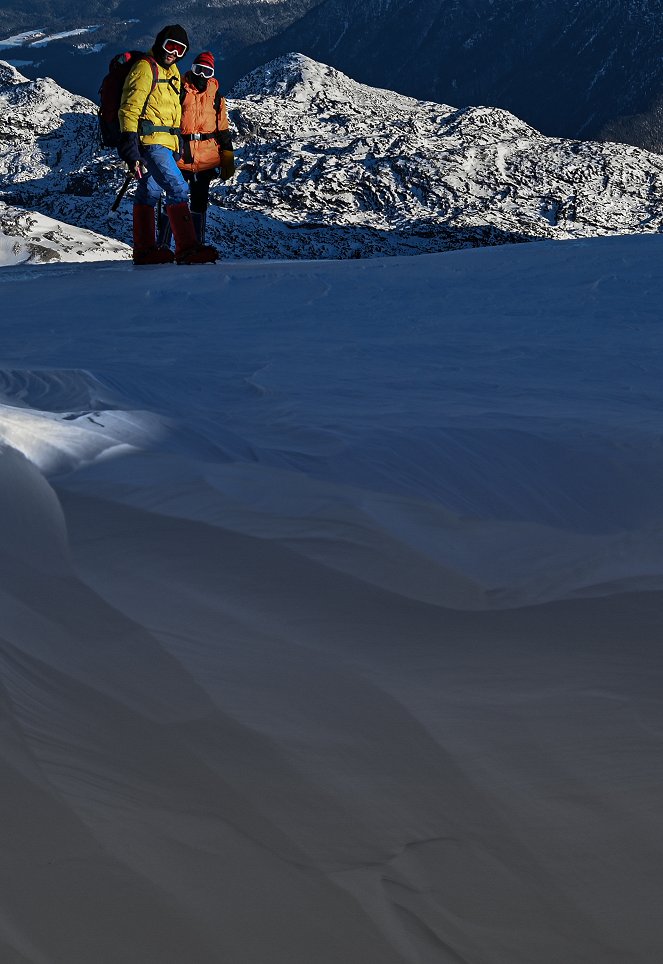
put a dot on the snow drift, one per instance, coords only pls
(331, 607)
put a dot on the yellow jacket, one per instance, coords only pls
(163, 106)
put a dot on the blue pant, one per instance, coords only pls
(163, 174)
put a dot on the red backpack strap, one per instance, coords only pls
(155, 80)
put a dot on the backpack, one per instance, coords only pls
(110, 93)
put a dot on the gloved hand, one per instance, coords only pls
(227, 165)
(129, 148)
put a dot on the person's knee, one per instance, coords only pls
(144, 195)
(177, 190)
(177, 194)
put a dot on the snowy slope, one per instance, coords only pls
(45, 132)
(483, 402)
(331, 168)
(330, 623)
(29, 236)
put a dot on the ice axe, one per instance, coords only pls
(131, 174)
(123, 190)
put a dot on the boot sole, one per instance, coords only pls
(198, 261)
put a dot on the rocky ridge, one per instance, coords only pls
(45, 163)
(331, 168)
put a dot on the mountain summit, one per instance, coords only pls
(328, 167)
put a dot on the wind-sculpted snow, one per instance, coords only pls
(62, 420)
(331, 168)
(331, 598)
(55, 391)
(31, 520)
(431, 435)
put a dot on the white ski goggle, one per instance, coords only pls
(203, 70)
(174, 47)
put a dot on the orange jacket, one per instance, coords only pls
(200, 116)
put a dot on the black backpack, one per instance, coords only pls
(110, 93)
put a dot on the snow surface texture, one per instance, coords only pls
(331, 168)
(29, 236)
(331, 610)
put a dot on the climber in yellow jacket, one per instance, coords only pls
(150, 117)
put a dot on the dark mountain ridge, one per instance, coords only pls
(567, 67)
(572, 68)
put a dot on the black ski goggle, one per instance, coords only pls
(203, 70)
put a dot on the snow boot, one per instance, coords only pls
(188, 250)
(145, 243)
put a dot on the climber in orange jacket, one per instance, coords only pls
(206, 140)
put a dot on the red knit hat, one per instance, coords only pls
(206, 58)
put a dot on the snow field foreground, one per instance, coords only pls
(331, 609)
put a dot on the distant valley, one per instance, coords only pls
(573, 68)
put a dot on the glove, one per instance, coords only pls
(129, 148)
(227, 165)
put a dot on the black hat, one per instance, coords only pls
(172, 32)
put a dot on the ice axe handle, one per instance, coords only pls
(123, 190)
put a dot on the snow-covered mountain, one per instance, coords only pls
(328, 167)
(320, 147)
(46, 132)
(567, 67)
(29, 236)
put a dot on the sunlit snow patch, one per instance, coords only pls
(24, 39)
(13, 250)
(62, 36)
(29, 236)
(63, 420)
(89, 48)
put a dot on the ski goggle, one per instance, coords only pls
(203, 70)
(174, 47)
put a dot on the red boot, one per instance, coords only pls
(145, 241)
(188, 250)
